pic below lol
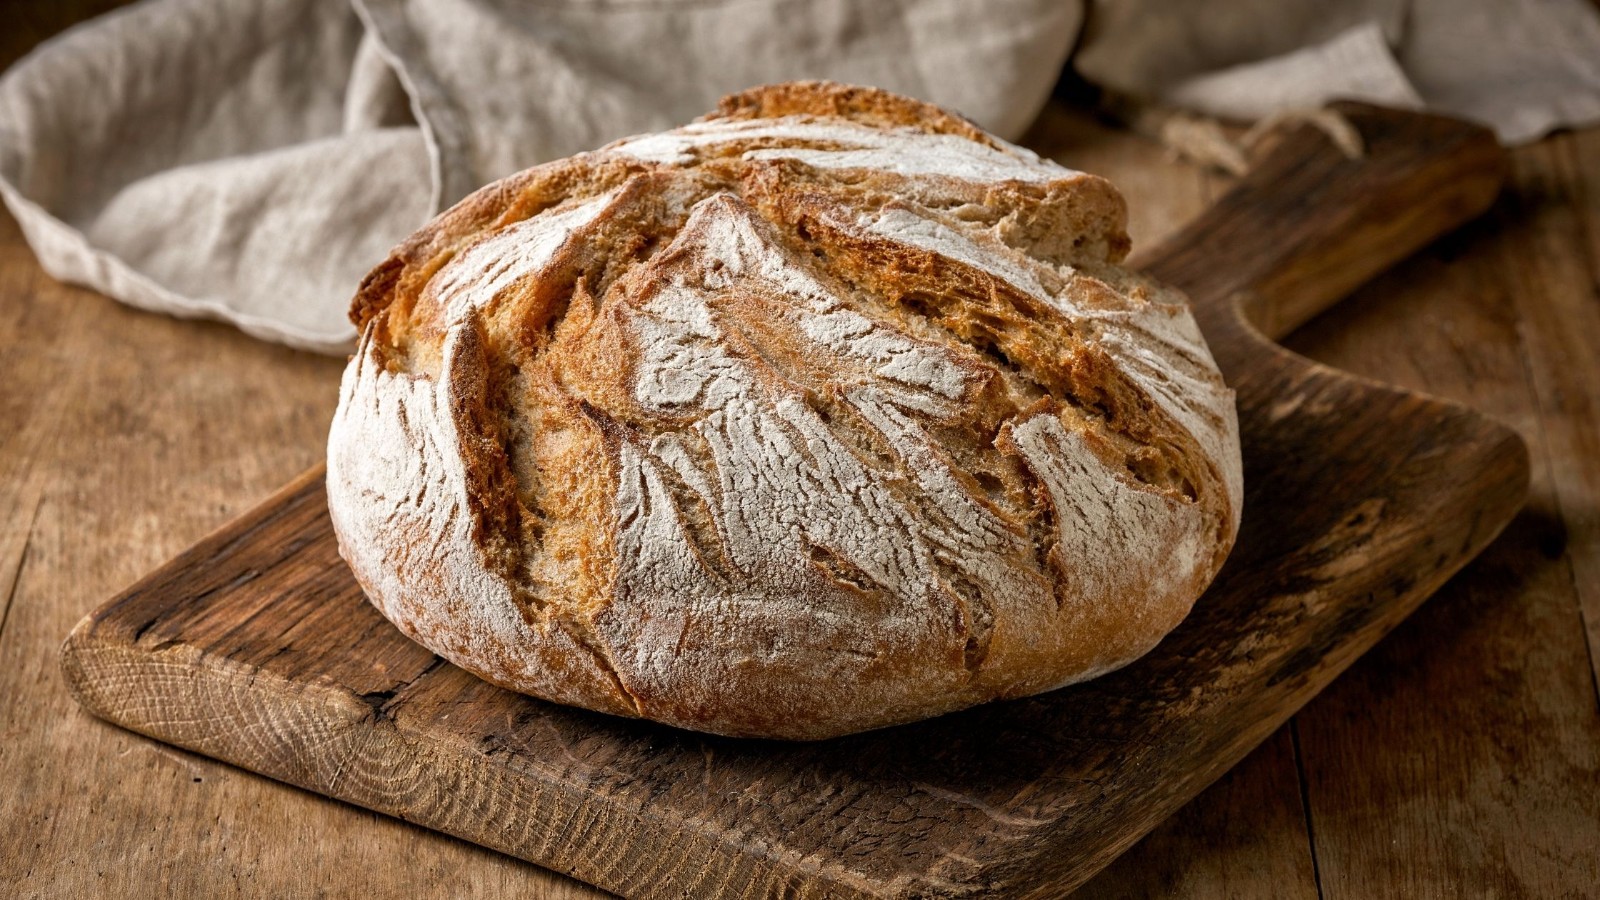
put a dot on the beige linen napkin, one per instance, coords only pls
(1524, 67)
(250, 160)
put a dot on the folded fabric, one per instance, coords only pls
(250, 160)
(1524, 67)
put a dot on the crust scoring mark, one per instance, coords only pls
(409, 525)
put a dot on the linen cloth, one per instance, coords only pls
(250, 160)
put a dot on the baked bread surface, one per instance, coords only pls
(826, 412)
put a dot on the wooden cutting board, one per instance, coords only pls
(257, 647)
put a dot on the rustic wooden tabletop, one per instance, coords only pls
(1461, 757)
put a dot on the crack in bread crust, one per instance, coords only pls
(829, 388)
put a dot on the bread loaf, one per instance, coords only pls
(826, 412)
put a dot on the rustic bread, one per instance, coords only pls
(826, 412)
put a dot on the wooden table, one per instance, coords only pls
(1461, 757)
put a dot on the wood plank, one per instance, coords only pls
(1244, 837)
(1554, 267)
(1471, 737)
(255, 646)
(31, 405)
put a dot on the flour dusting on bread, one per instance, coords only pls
(824, 413)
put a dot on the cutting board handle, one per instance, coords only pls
(1329, 222)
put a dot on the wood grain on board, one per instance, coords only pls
(256, 646)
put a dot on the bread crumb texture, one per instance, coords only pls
(826, 412)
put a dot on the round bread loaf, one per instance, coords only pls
(826, 412)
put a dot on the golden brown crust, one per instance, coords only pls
(830, 388)
(868, 106)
